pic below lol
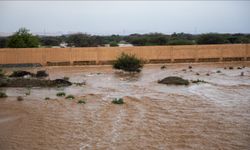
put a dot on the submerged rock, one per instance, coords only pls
(173, 80)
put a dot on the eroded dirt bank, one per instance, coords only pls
(213, 115)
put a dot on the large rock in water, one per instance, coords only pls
(173, 80)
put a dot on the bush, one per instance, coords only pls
(174, 81)
(118, 101)
(3, 95)
(41, 73)
(2, 74)
(66, 78)
(113, 44)
(128, 63)
(198, 81)
(21, 73)
(218, 71)
(47, 98)
(20, 98)
(70, 97)
(60, 94)
(81, 102)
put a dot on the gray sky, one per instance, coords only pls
(125, 17)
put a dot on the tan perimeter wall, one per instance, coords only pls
(105, 55)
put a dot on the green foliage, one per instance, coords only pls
(51, 40)
(118, 101)
(173, 80)
(23, 39)
(113, 44)
(212, 38)
(180, 42)
(60, 94)
(3, 95)
(128, 62)
(81, 102)
(70, 97)
(2, 73)
(148, 39)
(198, 81)
(3, 42)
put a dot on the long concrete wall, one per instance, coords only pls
(105, 55)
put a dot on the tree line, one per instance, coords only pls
(24, 39)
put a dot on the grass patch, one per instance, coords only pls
(70, 97)
(128, 62)
(81, 101)
(60, 94)
(3, 95)
(118, 101)
(174, 80)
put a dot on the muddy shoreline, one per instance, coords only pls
(212, 115)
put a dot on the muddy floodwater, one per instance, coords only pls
(210, 116)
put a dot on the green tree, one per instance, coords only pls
(22, 39)
(212, 38)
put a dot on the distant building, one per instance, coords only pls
(125, 45)
(106, 45)
(63, 45)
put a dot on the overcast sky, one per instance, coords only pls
(125, 17)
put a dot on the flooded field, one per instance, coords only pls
(213, 115)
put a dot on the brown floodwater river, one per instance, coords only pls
(213, 115)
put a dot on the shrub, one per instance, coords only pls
(47, 98)
(66, 78)
(198, 81)
(174, 81)
(128, 63)
(70, 97)
(41, 73)
(60, 94)
(21, 73)
(163, 67)
(81, 102)
(113, 44)
(218, 71)
(20, 98)
(231, 68)
(118, 101)
(2, 74)
(3, 95)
